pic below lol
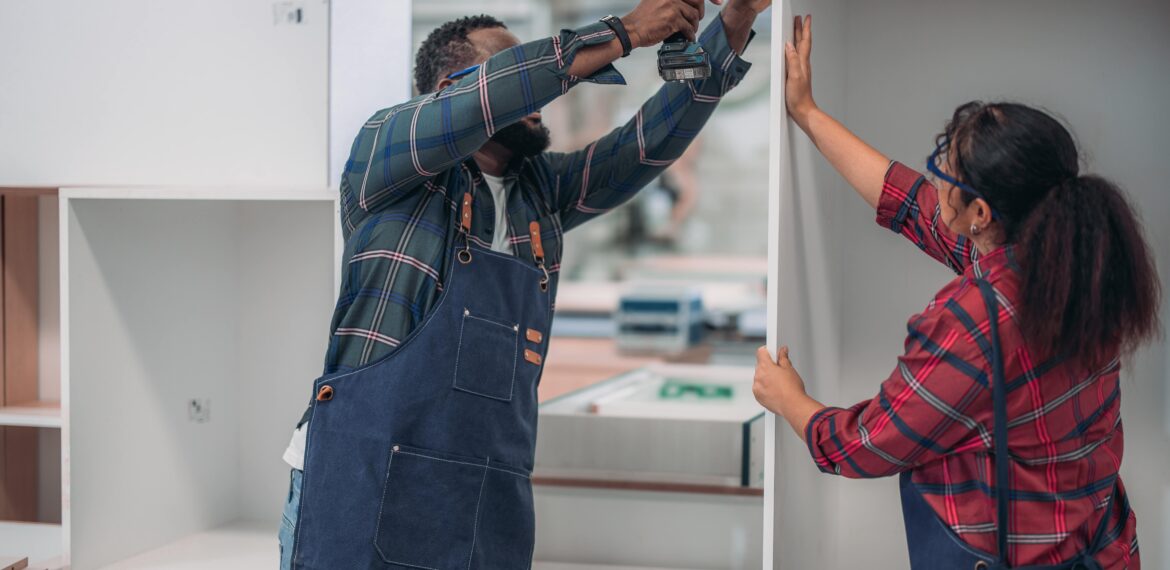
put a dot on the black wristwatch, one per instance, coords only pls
(618, 28)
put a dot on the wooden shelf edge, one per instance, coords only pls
(659, 487)
(42, 414)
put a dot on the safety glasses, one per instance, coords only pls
(464, 72)
(932, 167)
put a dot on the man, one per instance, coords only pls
(418, 446)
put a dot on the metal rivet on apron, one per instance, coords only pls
(516, 328)
(466, 312)
(980, 565)
(325, 394)
(394, 449)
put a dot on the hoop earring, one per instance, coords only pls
(975, 230)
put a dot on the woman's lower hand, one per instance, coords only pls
(798, 79)
(780, 389)
(775, 382)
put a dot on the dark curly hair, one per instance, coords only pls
(446, 50)
(1090, 286)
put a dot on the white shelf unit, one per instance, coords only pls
(173, 295)
(843, 288)
(197, 149)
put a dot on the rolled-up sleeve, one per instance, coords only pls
(936, 402)
(909, 206)
(610, 170)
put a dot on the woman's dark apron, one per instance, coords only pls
(422, 459)
(933, 545)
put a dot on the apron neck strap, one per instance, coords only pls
(1002, 485)
(536, 241)
(537, 244)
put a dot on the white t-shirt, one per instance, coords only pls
(294, 455)
(500, 198)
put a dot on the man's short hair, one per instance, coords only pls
(447, 50)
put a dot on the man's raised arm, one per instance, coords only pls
(401, 146)
(609, 171)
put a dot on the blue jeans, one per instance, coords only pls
(288, 522)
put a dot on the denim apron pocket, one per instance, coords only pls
(488, 354)
(427, 518)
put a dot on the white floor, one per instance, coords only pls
(241, 545)
(251, 545)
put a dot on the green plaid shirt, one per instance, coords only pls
(411, 164)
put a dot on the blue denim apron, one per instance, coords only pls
(933, 545)
(422, 459)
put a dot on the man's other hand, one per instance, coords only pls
(738, 18)
(652, 21)
(752, 7)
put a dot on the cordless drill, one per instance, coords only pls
(681, 60)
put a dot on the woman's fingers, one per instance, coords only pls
(802, 34)
(782, 358)
(763, 356)
(805, 45)
(792, 59)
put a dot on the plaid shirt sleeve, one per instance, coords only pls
(400, 147)
(935, 403)
(909, 206)
(611, 170)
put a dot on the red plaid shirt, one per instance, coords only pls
(933, 415)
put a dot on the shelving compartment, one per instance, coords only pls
(193, 329)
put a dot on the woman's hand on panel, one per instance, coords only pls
(775, 381)
(780, 389)
(798, 78)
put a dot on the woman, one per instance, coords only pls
(1058, 258)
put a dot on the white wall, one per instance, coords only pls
(149, 92)
(285, 300)
(908, 63)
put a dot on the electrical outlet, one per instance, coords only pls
(288, 13)
(199, 410)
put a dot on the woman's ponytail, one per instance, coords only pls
(1090, 287)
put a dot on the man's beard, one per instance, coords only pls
(522, 139)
